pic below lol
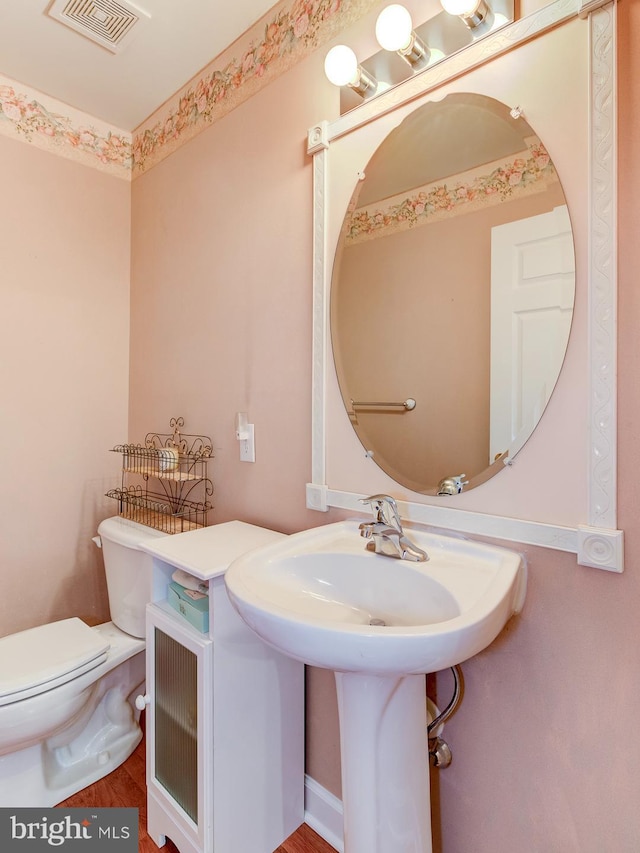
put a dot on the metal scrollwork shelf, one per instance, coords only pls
(177, 465)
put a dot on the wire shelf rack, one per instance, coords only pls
(176, 464)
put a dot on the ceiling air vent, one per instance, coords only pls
(108, 23)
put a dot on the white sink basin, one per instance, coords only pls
(317, 596)
(381, 624)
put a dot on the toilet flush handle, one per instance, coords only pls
(97, 540)
(143, 701)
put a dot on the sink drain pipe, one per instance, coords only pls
(439, 751)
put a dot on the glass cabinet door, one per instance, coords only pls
(179, 726)
(175, 702)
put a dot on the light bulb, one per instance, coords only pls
(465, 8)
(342, 69)
(472, 12)
(341, 66)
(394, 28)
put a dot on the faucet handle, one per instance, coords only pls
(384, 509)
(452, 485)
(366, 529)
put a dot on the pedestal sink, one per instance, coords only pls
(322, 598)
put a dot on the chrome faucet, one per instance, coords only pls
(452, 485)
(385, 532)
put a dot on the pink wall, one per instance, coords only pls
(221, 299)
(65, 249)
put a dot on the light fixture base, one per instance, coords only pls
(366, 84)
(479, 15)
(416, 53)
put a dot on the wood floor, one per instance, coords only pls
(125, 786)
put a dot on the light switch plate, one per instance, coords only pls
(248, 446)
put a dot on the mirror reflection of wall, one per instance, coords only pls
(411, 303)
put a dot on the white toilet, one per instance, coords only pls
(67, 691)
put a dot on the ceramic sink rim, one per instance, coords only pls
(256, 583)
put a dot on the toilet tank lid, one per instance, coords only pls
(126, 532)
(41, 655)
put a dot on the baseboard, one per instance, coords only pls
(323, 813)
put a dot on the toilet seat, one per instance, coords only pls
(42, 658)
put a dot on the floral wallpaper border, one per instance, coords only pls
(282, 37)
(531, 171)
(30, 116)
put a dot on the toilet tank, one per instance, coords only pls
(128, 571)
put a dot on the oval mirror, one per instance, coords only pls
(452, 294)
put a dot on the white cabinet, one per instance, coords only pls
(225, 713)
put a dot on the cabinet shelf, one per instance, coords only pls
(173, 615)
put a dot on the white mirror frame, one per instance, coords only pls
(597, 543)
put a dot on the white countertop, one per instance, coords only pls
(207, 552)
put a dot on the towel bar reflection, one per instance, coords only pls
(409, 405)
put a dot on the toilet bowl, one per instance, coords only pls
(67, 691)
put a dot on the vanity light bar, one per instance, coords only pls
(407, 51)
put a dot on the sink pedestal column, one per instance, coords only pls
(385, 763)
